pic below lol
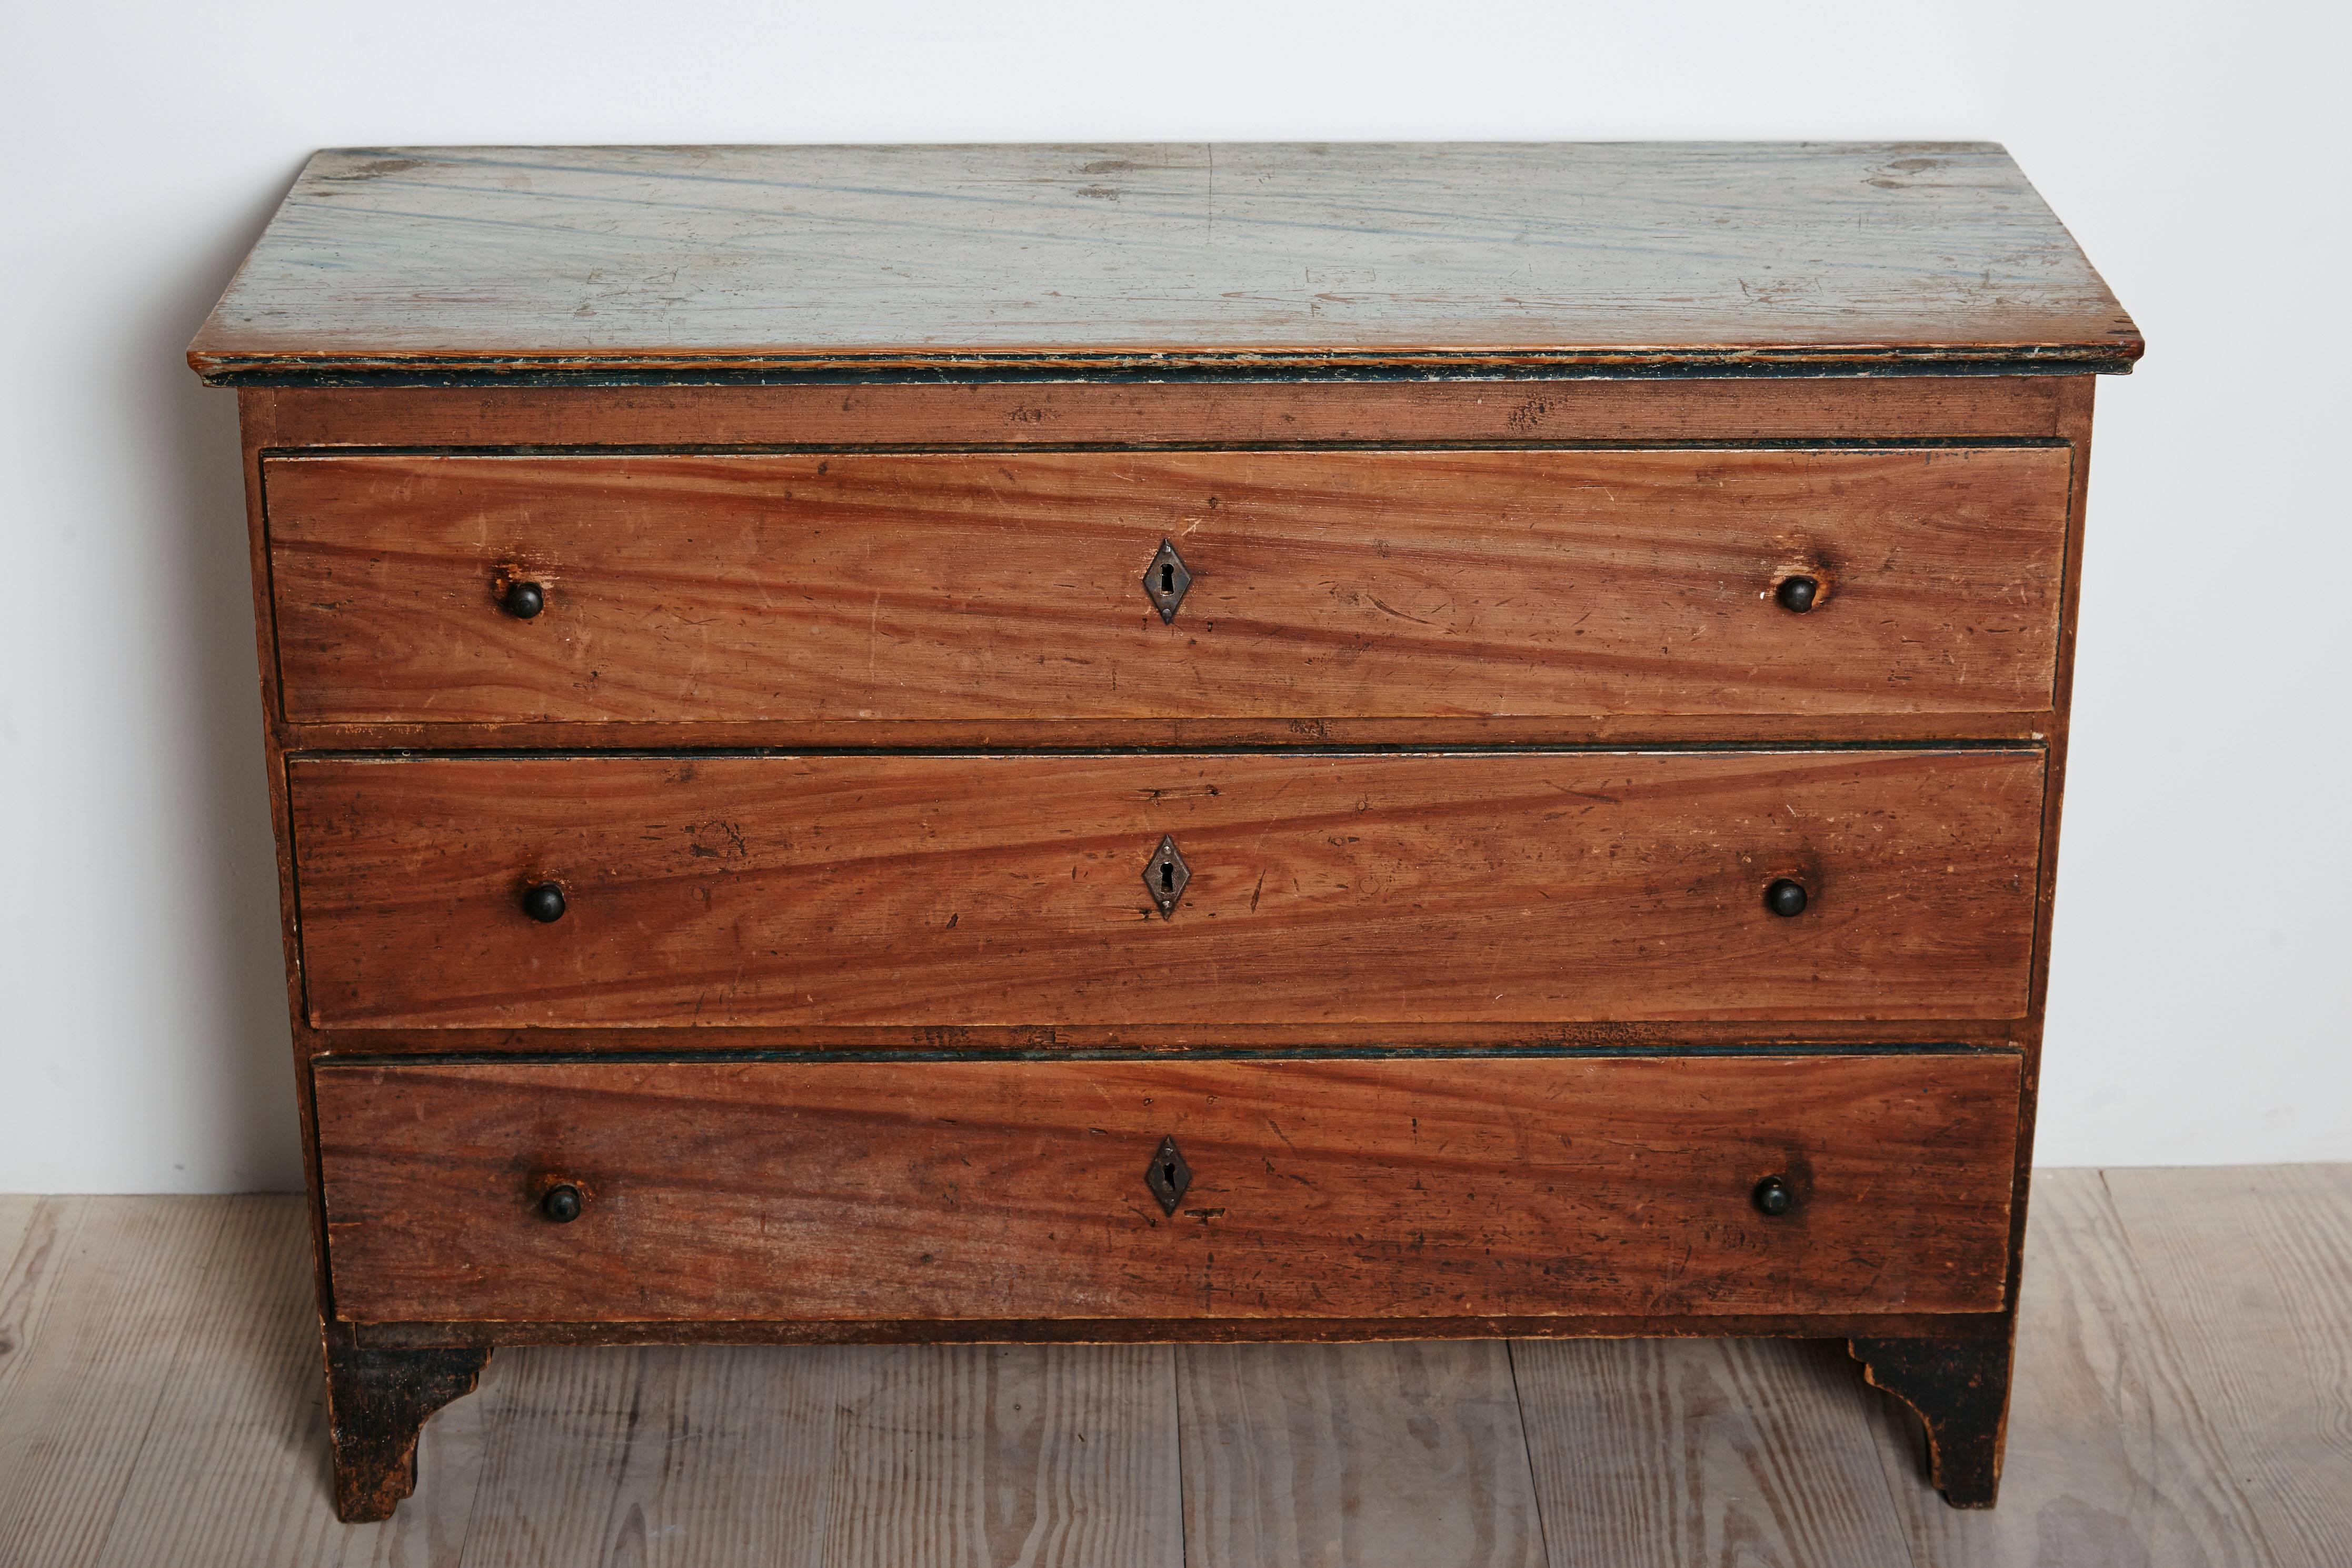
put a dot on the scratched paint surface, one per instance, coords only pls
(1160, 255)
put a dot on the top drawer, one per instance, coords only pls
(1006, 586)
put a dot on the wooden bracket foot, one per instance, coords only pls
(377, 1402)
(1960, 1389)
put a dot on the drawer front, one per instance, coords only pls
(1025, 890)
(1318, 1189)
(1002, 586)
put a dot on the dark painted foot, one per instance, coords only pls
(1960, 1389)
(377, 1402)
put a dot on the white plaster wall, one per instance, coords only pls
(2203, 973)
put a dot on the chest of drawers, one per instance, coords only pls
(1120, 743)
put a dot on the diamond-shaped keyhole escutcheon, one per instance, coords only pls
(1165, 874)
(1166, 583)
(1168, 1176)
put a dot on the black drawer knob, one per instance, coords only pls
(1773, 1197)
(1796, 593)
(561, 1204)
(543, 903)
(1783, 898)
(524, 599)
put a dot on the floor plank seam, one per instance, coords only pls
(1528, 1452)
(1183, 1477)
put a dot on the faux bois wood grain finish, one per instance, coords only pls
(1015, 1190)
(845, 733)
(436, 262)
(1012, 890)
(1011, 585)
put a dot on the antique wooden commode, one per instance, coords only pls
(1165, 742)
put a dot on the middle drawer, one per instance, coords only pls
(1283, 889)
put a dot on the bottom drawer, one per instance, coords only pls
(1018, 1190)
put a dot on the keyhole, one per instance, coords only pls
(1167, 1175)
(1164, 878)
(1164, 581)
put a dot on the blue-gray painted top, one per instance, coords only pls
(525, 264)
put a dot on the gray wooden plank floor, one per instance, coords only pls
(2184, 1396)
